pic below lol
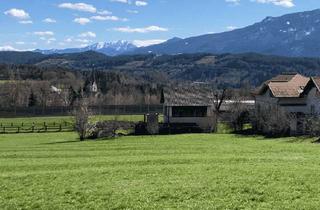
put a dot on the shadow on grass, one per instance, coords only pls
(284, 138)
(300, 139)
(62, 142)
(78, 141)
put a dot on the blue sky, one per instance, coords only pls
(44, 24)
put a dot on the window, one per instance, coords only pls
(189, 111)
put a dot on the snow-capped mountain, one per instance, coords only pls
(107, 48)
(296, 34)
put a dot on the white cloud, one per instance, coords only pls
(84, 41)
(8, 48)
(25, 43)
(25, 21)
(49, 20)
(145, 43)
(140, 30)
(50, 40)
(17, 13)
(121, 1)
(43, 33)
(104, 18)
(88, 34)
(233, 2)
(282, 3)
(83, 7)
(104, 12)
(68, 40)
(82, 21)
(141, 3)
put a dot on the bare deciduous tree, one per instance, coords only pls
(238, 113)
(272, 120)
(82, 116)
(219, 97)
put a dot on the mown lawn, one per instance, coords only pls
(55, 171)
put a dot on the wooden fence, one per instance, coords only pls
(36, 128)
(65, 111)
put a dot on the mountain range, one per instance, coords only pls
(294, 35)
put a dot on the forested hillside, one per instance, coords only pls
(230, 70)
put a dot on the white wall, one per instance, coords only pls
(205, 123)
(313, 99)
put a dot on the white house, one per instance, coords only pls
(94, 87)
(293, 93)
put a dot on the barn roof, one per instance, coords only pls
(187, 96)
(284, 77)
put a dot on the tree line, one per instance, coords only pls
(28, 86)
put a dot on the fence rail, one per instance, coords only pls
(65, 111)
(36, 128)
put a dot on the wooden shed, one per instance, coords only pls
(189, 105)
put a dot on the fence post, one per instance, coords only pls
(60, 128)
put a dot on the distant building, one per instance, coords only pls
(55, 89)
(293, 93)
(94, 87)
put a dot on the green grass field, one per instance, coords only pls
(62, 119)
(54, 124)
(55, 171)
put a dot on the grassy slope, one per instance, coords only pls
(53, 171)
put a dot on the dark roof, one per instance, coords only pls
(187, 96)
